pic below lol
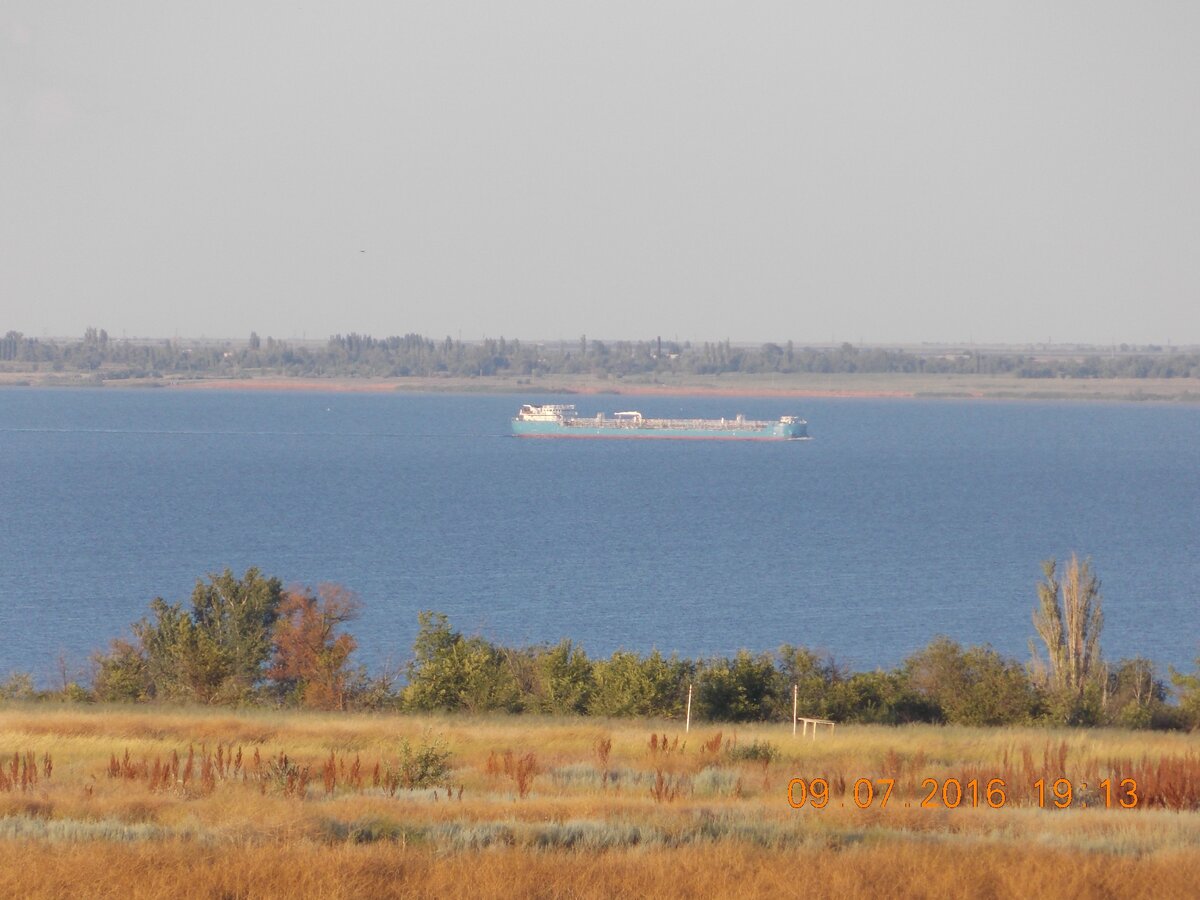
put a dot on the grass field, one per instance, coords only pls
(116, 802)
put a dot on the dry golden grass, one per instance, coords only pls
(553, 807)
(298, 870)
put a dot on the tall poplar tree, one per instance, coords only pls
(1068, 620)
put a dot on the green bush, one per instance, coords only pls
(741, 689)
(18, 687)
(425, 766)
(757, 751)
(451, 672)
(627, 684)
(976, 686)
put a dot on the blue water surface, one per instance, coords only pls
(900, 520)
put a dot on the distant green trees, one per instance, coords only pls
(561, 680)
(746, 688)
(1134, 698)
(816, 679)
(242, 640)
(239, 641)
(1188, 687)
(976, 686)
(18, 687)
(214, 652)
(452, 672)
(628, 684)
(941, 683)
(123, 674)
(417, 355)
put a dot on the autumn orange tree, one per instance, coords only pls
(311, 661)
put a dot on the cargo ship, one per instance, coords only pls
(561, 420)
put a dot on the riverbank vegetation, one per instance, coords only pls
(229, 747)
(248, 641)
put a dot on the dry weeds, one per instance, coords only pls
(137, 803)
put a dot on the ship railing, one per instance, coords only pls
(698, 424)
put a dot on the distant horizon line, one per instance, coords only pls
(832, 343)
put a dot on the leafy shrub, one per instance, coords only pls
(976, 686)
(758, 751)
(19, 687)
(627, 684)
(426, 766)
(453, 672)
(741, 689)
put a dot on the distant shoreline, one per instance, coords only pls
(797, 386)
(497, 386)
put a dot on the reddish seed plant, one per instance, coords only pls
(665, 788)
(523, 772)
(893, 764)
(1054, 759)
(329, 774)
(712, 746)
(493, 766)
(603, 748)
(29, 771)
(1171, 782)
(208, 776)
(22, 771)
(204, 770)
(521, 769)
(198, 777)
(660, 744)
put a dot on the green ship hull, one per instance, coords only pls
(562, 422)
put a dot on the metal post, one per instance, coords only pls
(688, 727)
(795, 701)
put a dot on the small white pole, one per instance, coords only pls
(795, 707)
(688, 727)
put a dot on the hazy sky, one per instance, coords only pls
(878, 171)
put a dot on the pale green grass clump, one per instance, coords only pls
(74, 830)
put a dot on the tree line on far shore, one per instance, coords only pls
(415, 355)
(248, 641)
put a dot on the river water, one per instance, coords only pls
(900, 520)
